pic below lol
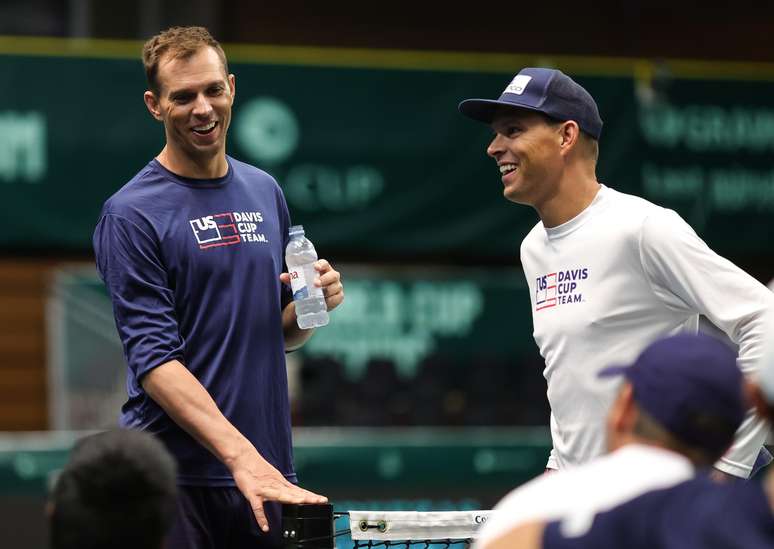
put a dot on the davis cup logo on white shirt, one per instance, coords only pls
(227, 229)
(559, 288)
(518, 84)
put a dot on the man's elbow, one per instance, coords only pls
(151, 379)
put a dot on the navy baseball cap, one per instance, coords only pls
(692, 386)
(548, 91)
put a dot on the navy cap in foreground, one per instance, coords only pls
(548, 91)
(692, 386)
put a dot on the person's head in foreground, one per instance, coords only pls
(684, 393)
(547, 129)
(117, 491)
(696, 514)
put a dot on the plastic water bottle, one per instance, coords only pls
(300, 256)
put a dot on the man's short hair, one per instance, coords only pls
(587, 143)
(591, 146)
(180, 43)
(648, 428)
(118, 491)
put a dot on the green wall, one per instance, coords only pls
(369, 148)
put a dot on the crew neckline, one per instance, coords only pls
(576, 222)
(194, 182)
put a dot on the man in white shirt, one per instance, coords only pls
(678, 409)
(608, 272)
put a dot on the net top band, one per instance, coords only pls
(416, 525)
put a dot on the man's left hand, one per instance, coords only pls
(329, 279)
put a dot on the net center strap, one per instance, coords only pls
(416, 525)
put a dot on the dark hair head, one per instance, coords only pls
(648, 428)
(178, 42)
(117, 491)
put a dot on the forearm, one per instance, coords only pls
(295, 337)
(750, 332)
(173, 387)
(189, 404)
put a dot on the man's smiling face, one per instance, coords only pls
(195, 102)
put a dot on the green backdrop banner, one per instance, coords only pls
(404, 317)
(377, 163)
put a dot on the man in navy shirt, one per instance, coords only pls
(191, 251)
(697, 514)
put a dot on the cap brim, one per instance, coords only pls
(616, 370)
(484, 110)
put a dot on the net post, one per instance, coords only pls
(307, 525)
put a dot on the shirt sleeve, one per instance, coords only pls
(687, 275)
(286, 295)
(130, 264)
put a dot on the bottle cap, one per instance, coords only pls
(296, 229)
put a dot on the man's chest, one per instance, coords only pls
(582, 284)
(220, 238)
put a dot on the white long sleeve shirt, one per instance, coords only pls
(610, 281)
(579, 493)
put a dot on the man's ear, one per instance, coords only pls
(569, 134)
(152, 102)
(623, 413)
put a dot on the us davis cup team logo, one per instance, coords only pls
(227, 229)
(215, 230)
(560, 288)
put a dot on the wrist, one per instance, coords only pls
(238, 454)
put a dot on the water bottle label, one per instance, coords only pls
(298, 284)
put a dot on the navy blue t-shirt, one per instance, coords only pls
(696, 514)
(192, 267)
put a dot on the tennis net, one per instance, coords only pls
(318, 526)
